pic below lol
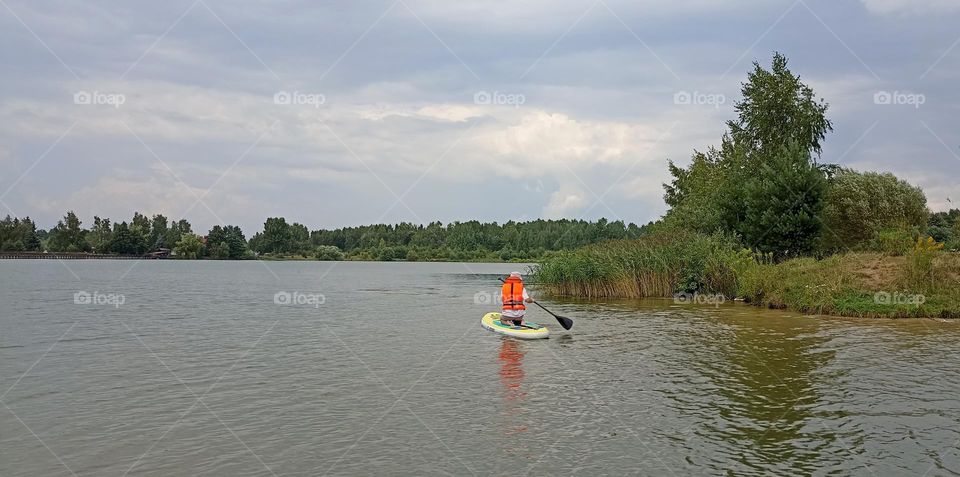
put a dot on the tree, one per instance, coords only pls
(140, 220)
(68, 236)
(229, 236)
(299, 238)
(275, 237)
(158, 233)
(219, 250)
(770, 145)
(18, 234)
(177, 230)
(778, 109)
(782, 205)
(100, 234)
(859, 205)
(189, 247)
(122, 241)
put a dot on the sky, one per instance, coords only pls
(345, 113)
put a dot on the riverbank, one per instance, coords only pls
(925, 282)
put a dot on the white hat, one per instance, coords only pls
(515, 274)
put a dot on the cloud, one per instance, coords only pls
(544, 143)
(399, 109)
(565, 203)
(918, 7)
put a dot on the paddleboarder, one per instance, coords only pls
(513, 295)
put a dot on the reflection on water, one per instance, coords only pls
(512, 410)
(767, 384)
(511, 371)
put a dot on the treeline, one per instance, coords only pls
(457, 241)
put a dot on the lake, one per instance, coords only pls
(111, 368)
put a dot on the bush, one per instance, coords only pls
(920, 272)
(328, 253)
(894, 242)
(859, 205)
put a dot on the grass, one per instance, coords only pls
(923, 283)
(856, 284)
(652, 266)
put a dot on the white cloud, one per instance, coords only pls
(565, 203)
(543, 143)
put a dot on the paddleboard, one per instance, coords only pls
(529, 331)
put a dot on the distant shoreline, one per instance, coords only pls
(100, 256)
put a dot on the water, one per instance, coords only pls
(200, 372)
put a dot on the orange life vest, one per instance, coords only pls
(512, 294)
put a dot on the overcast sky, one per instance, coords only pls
(348, 113)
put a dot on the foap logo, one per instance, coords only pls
(897, 298)
(98, 98)
(486, 298)
(699, 299)
(97, 298)
(298, 298)
(899, 98)
(297, 98)
(696, 98)
(497, 98)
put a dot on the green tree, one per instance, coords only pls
(122, 241)
(778, 109)
(189, 247)
(276, 236)
(859, 205)
(779, 128)
(219, 250)
(232, 237)
(18, 234)
(782, 205)
(177, 230)
(158, 232)
(100, 234)
(68, 236)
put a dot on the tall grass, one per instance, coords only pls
(653, 266)
(864, 284)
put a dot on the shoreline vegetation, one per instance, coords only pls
(762, 218)
(158, 237)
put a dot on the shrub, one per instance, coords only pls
(894, 241)
(920, 270)
(859, 205)
(328, 253)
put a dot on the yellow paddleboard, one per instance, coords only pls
(529, 331)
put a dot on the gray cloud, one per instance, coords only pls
(400, 114)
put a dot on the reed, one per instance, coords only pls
(925, 283)
(657, 265)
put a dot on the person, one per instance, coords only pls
(513, 296)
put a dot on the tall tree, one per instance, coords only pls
(100, 234)
(777, 110)
(158, 232)
(780, 126)
(68, 235)
(782, 204)
(227, 242)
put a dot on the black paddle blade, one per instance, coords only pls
(565, 322)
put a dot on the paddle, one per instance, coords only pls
(565, 322)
